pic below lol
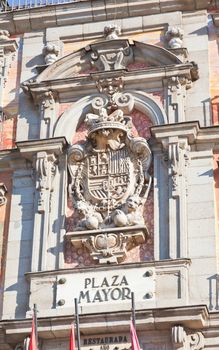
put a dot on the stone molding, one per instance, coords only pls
(191, 131)
(37, 18)
(192, 317)
(29, 148)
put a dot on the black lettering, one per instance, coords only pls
(126, 293)
(98, 341)
(120, 339)
(115, 278)
(85, 341)
(115, 340)
(105, 283)
(102, 341)
(84, 295)
(97, 297)
(124, 281)
(116, 294)
(89, 341)
(106, 293)
(125, 339)
(111, 340)
(87, 281)
(93, 283)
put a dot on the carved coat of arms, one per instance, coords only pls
(110, 184)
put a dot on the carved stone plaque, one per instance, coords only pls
(107, 288)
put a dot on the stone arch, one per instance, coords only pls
(72, 118)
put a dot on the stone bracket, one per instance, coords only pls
(109, 245)
(182, 340)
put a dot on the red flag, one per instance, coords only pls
(134, 338)
(72, 338)
(33, 342)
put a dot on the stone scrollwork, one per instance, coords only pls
(185, 341)
(109, 86)
(24, 345)
(109, 184)
(3, 191)
(119, 100)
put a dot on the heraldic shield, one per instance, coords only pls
(109, 186)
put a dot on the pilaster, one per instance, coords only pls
(48, 205)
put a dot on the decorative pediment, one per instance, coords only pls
(107, 56)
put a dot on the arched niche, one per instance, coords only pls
(72, 118)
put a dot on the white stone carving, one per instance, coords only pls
(110, 183)
(178, 155)
(51, 53)
(116, 55)
(112, 32)
(4, 35)
(109, 86)
(3, 191)
(174, 37)
(7, 50)
(46, 103)
(183, 341)
(45, 170)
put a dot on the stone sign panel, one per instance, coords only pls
(106, 287)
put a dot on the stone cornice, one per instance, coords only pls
(53, 145)
(188, 130)
(160, 263)
(192, 317)
(21, 20)
(73, 88)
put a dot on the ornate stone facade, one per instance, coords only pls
(112, 188)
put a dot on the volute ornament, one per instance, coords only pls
(109, 185)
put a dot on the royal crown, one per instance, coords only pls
(115, 120)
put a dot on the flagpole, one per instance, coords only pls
(77, 324)
(35, 322)
(133, 308)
